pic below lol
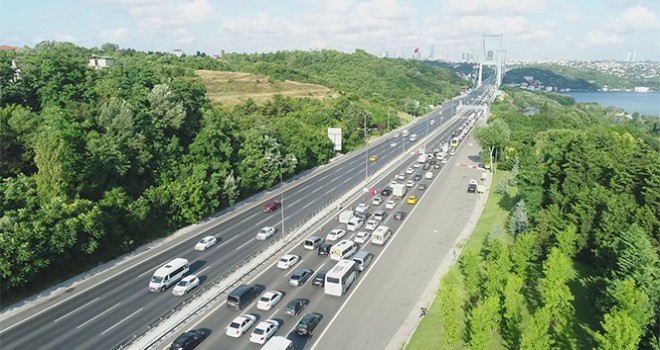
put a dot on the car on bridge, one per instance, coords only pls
(308, 323)
(287, 261)
(265, 233)
(264, 330)
(184, 286)
(269, 299)
(188, 340)
(240, 325)
(206, 243)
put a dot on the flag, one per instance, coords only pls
(417, 50)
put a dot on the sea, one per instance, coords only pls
(642, 102)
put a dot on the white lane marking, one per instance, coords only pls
(120, 322)
(317, 189)
(273, 314)
(244, 244)
(202, 270)
(75, 310)
(331, 190)
(97, 316)
(294, 202)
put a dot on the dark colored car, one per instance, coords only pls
(421, 187)
(472, 186)
(426, 166)
(432, 161)
(319, 279)
(417, 177)
(362, 215)
(324, 249)
(271, 205)
(188, 340)
(296, 306)
(386, 191)
(308, 323)
(399, 215)
(299, 277)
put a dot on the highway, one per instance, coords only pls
(109, 308)
(377, 287)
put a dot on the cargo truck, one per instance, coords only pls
(399, 190)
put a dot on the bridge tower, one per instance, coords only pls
(492, 55)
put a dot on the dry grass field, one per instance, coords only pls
(232, 88)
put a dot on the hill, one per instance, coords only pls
(233, 88)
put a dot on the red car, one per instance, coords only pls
(271, 205)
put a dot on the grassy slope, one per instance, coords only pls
(232, 88)
(428, 334)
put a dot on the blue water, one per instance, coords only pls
(642, 102)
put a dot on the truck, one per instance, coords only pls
(345, 216)
(422, 158)
(399, 190)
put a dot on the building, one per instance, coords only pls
(98, 62)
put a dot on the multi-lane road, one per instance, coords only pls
(106, 309)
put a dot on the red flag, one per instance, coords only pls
(417, 50)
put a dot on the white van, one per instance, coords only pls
(168, 275)
(278, 342)
(354, 224)
(345, 216)
(343, 250)
(381, 235)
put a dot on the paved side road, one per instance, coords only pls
(384, 311)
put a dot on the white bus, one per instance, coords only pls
(340, 278)
(343, 250)
(168, 274)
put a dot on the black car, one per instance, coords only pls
(188, 340)
(296, 306)
(308, 323)
(362, 215)
(417, 177)
(386, 191)
(319, 279)
(299, 277)
(324, 249)
(399, 215)
(426, 166)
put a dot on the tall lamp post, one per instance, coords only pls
(366, 152)
(280, 161)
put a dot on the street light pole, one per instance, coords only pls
(280, 162)
(366, 152)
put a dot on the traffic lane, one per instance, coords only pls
(406, 268)
(271, 278)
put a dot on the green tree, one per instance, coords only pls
(483, 321)
(470, 264)
(557, 296)
(524, 253)
(513, 306)
(518, 221)
(494, 137)
(537, 334)
(451, 311)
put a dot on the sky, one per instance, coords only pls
(583, 30)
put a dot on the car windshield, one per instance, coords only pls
(156, 279)
(182, 283)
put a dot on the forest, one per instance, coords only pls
(576, 266)
(96, 162)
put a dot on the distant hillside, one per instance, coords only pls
(403, 84)
(232, 88)
(547, 78)
(597, 75)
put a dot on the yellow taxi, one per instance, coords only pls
(412, 200)
(373, 158)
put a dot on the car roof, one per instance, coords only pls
(289, 256)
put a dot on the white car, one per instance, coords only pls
(410, 171)
(393, 144)
(362, 237)
(377, 200)
(335, 234)
(416, 165)
(206, 243)
(390, 204)
(269, 299)
(240, 325)
(428, 175)
(410, 183)
(362, 208)
(185, 285)
(372, 224)
(263, 331)
(287, 261)
(265, 233)
(400, 176)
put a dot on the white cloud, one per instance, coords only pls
(55, 37)
(115, 35)
(597, 37)
(635, 19)
(489, 7)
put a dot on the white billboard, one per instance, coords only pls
(335, 136)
